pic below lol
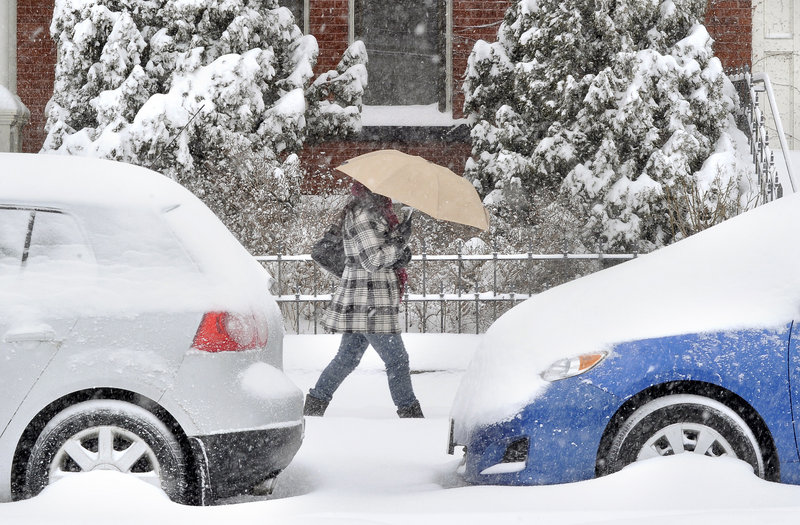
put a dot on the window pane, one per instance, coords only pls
(296, 7)
(13, 229)
(133, 238)
(57, 239)
(402, 40)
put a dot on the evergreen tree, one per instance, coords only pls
(618, 104)
(214, 93)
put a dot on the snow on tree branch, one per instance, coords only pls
(182, 86)
(619, 106)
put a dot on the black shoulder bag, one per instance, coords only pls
(328, 252)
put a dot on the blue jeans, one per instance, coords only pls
(390, 349)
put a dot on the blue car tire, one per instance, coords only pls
(680, 423)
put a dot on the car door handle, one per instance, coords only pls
(45, 335)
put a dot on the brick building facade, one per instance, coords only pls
(453, 28)
(36, 58)
(730, 23)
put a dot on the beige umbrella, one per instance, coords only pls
(421, 184)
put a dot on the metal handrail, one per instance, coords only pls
(773, 105)
(753, 121)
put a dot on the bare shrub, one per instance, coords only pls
(693, 209)
(260, 201)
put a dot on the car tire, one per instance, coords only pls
(681, 423)
(107, 435)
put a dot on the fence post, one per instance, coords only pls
(494, 279)
(280, 283)
(297, 308)
(530, 265)
(424, 286)
(565, 260)
(405, 300)
(477, 319)
(315, 304)
(458, 286)
(600, 255)
(441, 308)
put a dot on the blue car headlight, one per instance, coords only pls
(572, 366)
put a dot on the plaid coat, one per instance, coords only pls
(367, 299)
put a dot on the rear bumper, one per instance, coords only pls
(233, 463)
(217, 393)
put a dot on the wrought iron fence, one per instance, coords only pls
(445, 293)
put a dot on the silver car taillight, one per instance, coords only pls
(230, 332)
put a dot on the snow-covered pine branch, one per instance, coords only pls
(200, 91)
(621, 106)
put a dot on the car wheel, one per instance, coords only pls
(681, 423)
(107, 435)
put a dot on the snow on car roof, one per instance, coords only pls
(742, 273)
(38, 178)
(151, 244)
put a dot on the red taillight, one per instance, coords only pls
(229, 332)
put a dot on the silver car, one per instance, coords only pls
(136, 335)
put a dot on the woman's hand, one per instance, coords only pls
(403, 230)
(404, 259)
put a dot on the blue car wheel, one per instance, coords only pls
(682, 423)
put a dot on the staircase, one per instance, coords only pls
(752, 121)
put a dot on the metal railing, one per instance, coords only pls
(446, 293)
(752, 121)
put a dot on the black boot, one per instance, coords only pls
(412, 410)
(314, 406)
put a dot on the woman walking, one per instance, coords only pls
(365, 306)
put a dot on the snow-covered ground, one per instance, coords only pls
(360, 464)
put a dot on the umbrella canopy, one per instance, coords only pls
(421, 184)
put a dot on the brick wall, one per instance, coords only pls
(473, 20)
(328, 21)
(36, 56)
(730, 23)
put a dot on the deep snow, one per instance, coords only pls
(360, 464)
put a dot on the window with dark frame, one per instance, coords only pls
(405, 46)
(296, 7)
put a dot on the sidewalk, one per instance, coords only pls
(437, 364)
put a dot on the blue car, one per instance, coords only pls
(694, 348)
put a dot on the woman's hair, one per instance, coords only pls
(361, 192)
(358, 190)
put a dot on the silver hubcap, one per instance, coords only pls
(106, 448)
(686, 437)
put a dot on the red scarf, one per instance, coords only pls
(360, 191)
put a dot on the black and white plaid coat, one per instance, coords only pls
(367, 299)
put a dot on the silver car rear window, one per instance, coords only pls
(134, 237)
(40, 238)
